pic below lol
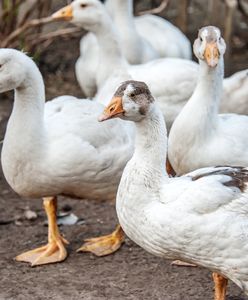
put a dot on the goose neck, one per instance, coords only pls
(26, 121)
(110, 56)
(30, 98)
(151, 141)
(200, 114)
(121, 11)
(145, 172)
(210, 84)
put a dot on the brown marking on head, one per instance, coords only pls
(139, 88)
(138, 92)
(143, 110)
(137, 98)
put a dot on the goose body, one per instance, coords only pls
(235, 87)
(167, 39)
(170, 222)
(200, 217)
(199, 136)
(58, 148)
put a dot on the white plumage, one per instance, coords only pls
(167, 39)
(146, 37)
(171, 80)
(141, 39)
(58, 147)
(199, 218)
(235, 93)
(199, 136)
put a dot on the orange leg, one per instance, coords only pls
(104, 245)
(55, 250)
(220, 285)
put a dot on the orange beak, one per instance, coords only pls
(211, 54)
(64, 13)
(113, 110)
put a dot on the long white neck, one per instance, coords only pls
(110, 55)
(200, 114)
(25, 130)
(144, 174)
(210, 86)
(151, 144)
(122, 14)
(120, 9)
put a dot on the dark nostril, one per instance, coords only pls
(111, 109)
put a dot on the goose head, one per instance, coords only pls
(83, 13)
(12, 69)
(209, 45)
(132, 101)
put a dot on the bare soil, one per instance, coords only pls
(130, 273)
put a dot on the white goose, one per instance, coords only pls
(206, 138)
(59, 148)
(199, 136)
(154, 38)
(201, 217)
(171, 80)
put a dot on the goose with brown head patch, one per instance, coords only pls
(200, 217)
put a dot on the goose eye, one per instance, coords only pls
(201, 39)
(132, 95)
(83, 5)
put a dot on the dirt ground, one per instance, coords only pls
(130, 273)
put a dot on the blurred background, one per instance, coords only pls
(25, 25)
(22, 27)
